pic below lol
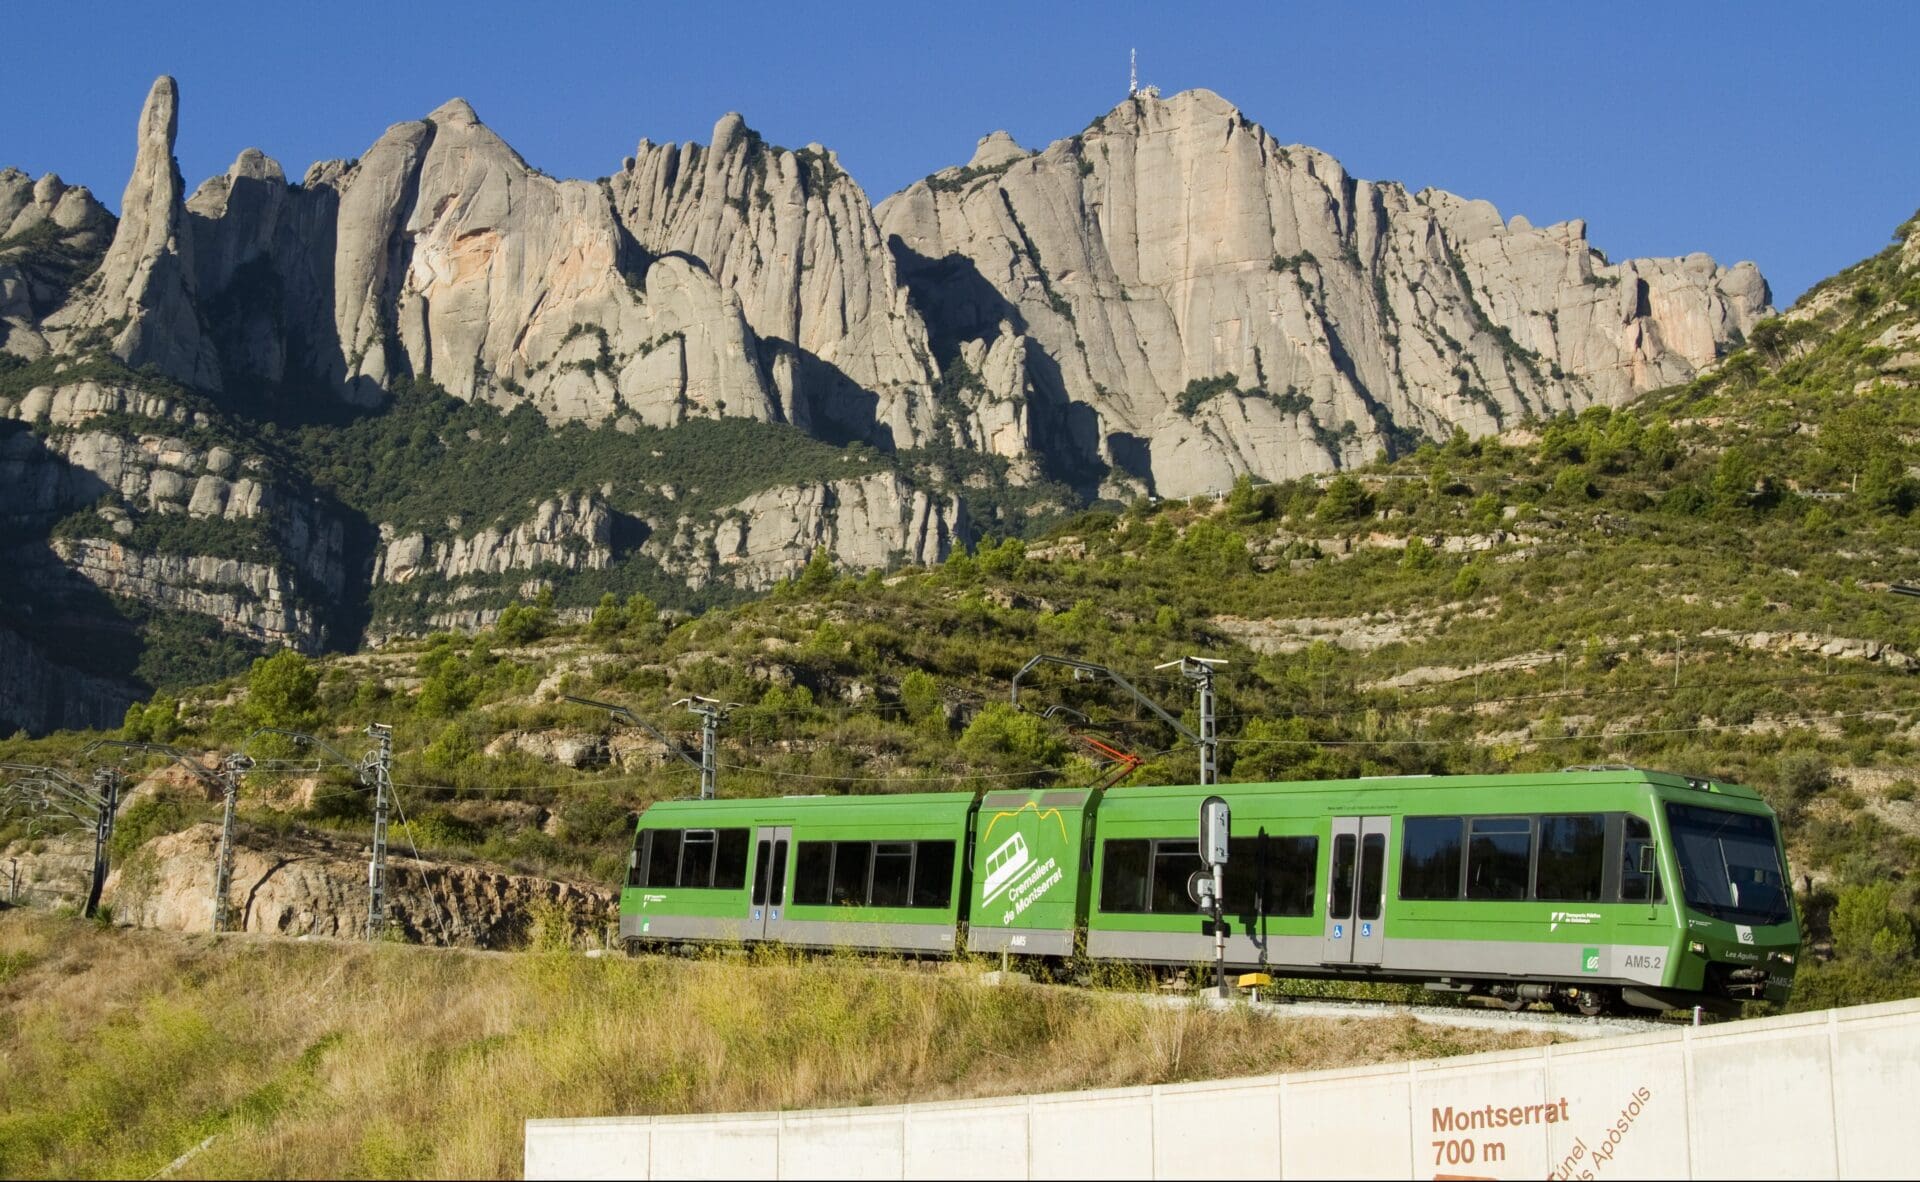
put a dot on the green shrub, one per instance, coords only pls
(1006, 736)
(282, 691)
(1345, 499)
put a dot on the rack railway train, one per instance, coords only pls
(1592, 889)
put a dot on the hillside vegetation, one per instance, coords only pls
(1697, 583)
(122, 1050)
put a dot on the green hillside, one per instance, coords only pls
(1698, 582)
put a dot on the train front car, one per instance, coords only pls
(1741, 938)
(1588, 889)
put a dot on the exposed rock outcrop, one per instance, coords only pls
(441, 253)
(873, 521)
(40, 693)
(309, 884)
(273, 556)
(51, 236)
(795, 238)
(252, 599)
(570, 531)
(142, 300)
(1175, 243)
(566, 748)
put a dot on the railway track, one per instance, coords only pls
(1461, 1017)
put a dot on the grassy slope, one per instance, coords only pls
(121, 1050)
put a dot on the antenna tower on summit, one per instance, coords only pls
(1133, 77)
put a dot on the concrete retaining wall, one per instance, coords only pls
(1823, 1095)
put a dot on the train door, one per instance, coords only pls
(769, 897)
(1356, 890)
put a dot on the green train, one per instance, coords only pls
(1590, 889)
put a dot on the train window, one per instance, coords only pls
(777, 895)
(1633, 885)
(1573, 858)
(1340, 889)
(1173, 863)
(850, 860)
(1269, 875)
(933, 874)
(892, 874)
(1430, 858)
(762, 860)
(663, 857)
(730, 860)
(812, 874)
(696, 858)
(1373, 863)
(1123, 875)
(1498, 850)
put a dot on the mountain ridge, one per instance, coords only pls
(1162, 304)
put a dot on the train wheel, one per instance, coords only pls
(1588, 1003)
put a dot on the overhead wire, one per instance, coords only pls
(407, 827)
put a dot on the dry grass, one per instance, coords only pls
(120, 1050)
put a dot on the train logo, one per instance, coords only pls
(1003, 866)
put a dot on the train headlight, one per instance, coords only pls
(1783, 957)
(1696, 947)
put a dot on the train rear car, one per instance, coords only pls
(874, 872)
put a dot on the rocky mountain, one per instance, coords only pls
(50, 235)
(414, 385)
(1190, 299)
(794, 237)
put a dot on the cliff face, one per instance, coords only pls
(40, 693)
(569, 532)
(876, 521)
(139, 503)
(51, 235)
(794, 237)
(1199, 300)
(1159, 304)
(441, 254)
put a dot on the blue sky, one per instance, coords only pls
(1780, 132)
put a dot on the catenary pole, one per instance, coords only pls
(229, 778)
(106, 782)
(382, 767)
(1199, 670)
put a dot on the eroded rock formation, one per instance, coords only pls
(873, 521)
(142, 300)
(1161, 303)
(1204, 301)
(794, 237)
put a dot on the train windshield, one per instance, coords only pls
(1729, 865)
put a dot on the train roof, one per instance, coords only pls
(1569, 778)
(1575, 777)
